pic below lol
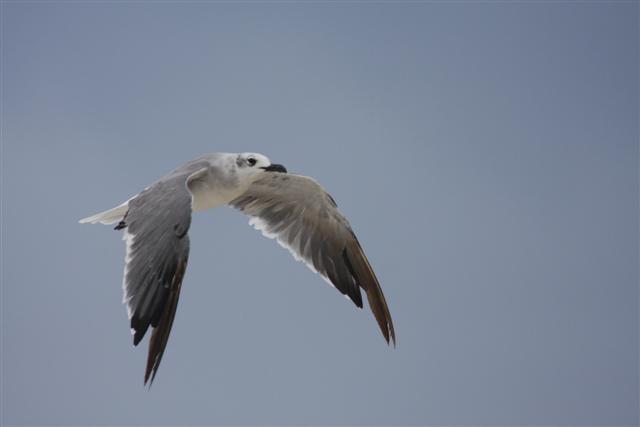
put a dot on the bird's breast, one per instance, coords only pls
(211, 196)
(205, 198)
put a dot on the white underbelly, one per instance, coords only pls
(203, 197)
(202, 200)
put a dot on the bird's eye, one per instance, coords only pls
(252, 161)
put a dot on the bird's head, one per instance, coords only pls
(252, 165)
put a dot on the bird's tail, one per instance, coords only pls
(108, 217)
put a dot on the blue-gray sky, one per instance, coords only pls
(486, 154)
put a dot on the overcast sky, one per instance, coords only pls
(486, 154)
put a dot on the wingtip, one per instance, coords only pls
(148, 382)
(392, 332)
(389, 335)
(149, 375)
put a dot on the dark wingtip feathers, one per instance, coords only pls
(353, 291)
(160, 334)
(138, 335)
(365, 277)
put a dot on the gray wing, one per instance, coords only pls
(156, 226)
(298, 213)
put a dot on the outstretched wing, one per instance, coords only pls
(155, 230)
(298, 213)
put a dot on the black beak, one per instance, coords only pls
(275, 168)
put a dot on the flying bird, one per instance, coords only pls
(292, 209)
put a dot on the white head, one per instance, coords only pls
(252, 165)
(233, 174)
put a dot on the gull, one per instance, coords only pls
(292, 209)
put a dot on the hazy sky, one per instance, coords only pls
(486, 154)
